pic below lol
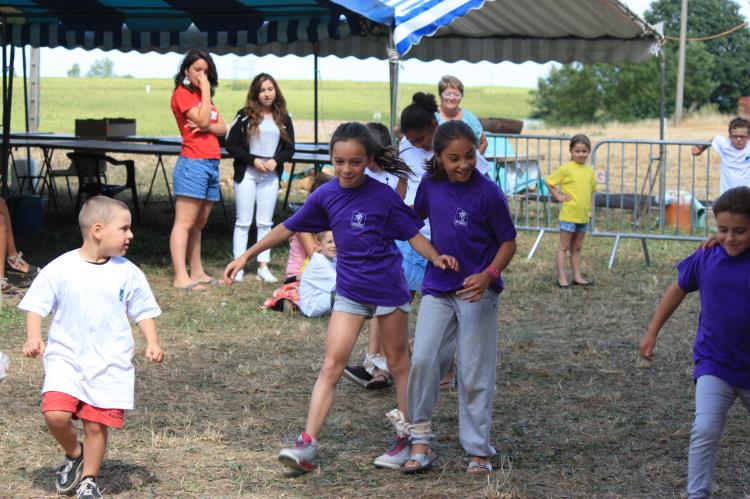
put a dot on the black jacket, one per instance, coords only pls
(237, 146)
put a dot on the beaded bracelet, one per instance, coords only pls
(493, 273)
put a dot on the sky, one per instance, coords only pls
(57, 62)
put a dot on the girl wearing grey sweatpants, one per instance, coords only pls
(470, 220)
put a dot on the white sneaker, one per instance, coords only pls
(240, 276)
(265, 275)
(398, 452)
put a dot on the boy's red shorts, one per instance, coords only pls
(59, 401)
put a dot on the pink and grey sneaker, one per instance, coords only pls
(397, 453)
(301, 456)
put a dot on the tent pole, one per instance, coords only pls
(26, 103)
(7, 102)
(315, 78)
(393, 67)
(3, 162)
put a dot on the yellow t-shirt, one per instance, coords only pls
(579, 182)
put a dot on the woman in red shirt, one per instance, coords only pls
(196, 174)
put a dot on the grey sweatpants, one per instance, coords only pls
(713, 398)
(474, 328)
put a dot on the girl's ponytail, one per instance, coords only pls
(386, 157)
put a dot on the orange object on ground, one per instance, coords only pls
(683, 207)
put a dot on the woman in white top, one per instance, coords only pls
(261, 139)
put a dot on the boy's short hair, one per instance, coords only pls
(320, 235)
(739, 123)
(735, 200)
(98, 209)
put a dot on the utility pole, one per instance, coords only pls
(681, 64)
(34, 80)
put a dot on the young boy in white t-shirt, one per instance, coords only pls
(319, 278)
(734, 152)
(87, 360)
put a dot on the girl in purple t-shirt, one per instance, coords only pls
(365, 217)
(469, 218)
(721, 351)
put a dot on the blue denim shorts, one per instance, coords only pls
(414, 265)
(196, 178)
(573, 227)
(344, 304)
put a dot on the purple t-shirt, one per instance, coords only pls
(469, 220)
(364, 220)
(722, 345)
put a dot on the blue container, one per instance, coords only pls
(26, 214)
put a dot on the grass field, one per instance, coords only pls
(65, 99)
(576, 413)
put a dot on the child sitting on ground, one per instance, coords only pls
(734, 151)
(312, 292)
(87, 362)
(316, 290)
(302, 244)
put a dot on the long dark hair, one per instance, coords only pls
(735, 200)
(385, 157)
(444, 135)
(190, 58)
(255, 113)
(420, 114)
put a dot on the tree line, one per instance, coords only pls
(717, 72)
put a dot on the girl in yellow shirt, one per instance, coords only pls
(573, 184)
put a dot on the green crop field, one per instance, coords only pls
(65, 99)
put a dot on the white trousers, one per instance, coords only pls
(261, 189)
(713, 398)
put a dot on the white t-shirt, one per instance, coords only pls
(414, 157)
(264, 144)
(90, 341)
(735, 164)
(317, 284)
(383, 177)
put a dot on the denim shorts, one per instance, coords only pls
(196, 178)
(414, 265)
(573, 227)
(343, 304)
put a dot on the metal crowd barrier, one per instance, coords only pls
(646, 189)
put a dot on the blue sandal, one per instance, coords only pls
(479, 468)
(424, 463)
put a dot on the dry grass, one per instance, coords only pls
(576, 412)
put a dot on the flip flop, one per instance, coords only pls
(424, 463)
(583, 284)
(210, 282)
(479, 468)
(562, 285)
(194, 287)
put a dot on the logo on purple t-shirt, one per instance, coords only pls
(358, 220)
(462, 218)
